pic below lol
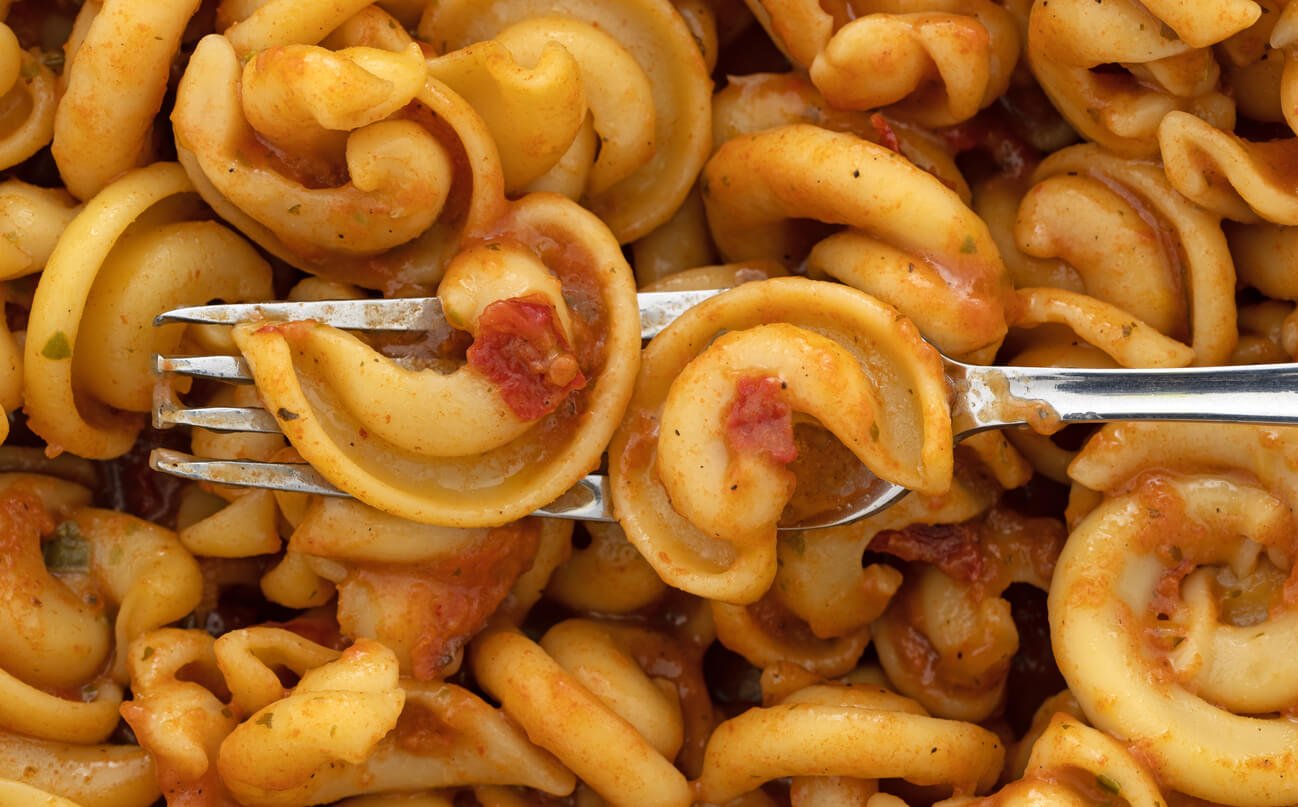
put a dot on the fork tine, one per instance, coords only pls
(292, 477)
(588, 500)
(216, 418)
(657, 310)
(397, 314)
(232, 369)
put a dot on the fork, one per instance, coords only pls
(983, 397)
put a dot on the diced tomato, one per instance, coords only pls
(522, 350)
(887, 137)
(952, 548)
(760, 420)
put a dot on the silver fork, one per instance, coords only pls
(984, 397)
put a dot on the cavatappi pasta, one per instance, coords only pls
(1102, 616)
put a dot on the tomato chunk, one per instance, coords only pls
(953, 548)
(522, 350)
(887, 137)
(760, 420)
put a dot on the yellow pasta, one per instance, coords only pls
(709, 528)
(1095, 617)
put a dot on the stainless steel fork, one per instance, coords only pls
(983, 397)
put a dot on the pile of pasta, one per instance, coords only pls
(1098, 616)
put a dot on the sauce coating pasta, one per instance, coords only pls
(1102, 616)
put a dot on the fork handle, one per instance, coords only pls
(1048, 398)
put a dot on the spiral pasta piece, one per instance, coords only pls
(1161, 72)
(116, 75)
(390, 163)
(699, 468)
(948, 637)
(358, 693)
(1233, 177)
(1074, 764)
(759, 101)
(82, 775)
(622, 728)
(760, 189)
(545, 381)
(1163, 550)
(87, 359)
(857, 732)
(29, 97)
(1173, 284)
(819, 611)
(934, 63)
(31, 221)
(101, 578)
(651, 145)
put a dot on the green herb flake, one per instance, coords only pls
(225, 712)
(968, 247)
(287, 414)
(266, 719)
(57, 347)
(89, 692)
(30, 70)
(68, 551)
(874, 431)
(147, 654)
(1107, 784)
(53, 59)
(295, 210)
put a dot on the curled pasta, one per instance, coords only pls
(1175, 279)
(760, 190)
(87, 371)
(1242, 179)
(936, 63)
(102, 578)
(390, 162)
(819, 611)
(858, 732)
(357, 693)
(623, 729)
(29, 98)
(544, 383)
(31, 221)
(1161, 73)
(116, 74)
(83, 775)
(1074, 764)
(700, 468)
(645, 86)
(1161, 552)
(1233, 177)
(947, 638)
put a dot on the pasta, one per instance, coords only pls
(1096, 616)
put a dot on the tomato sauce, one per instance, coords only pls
(760, 420)
(952, 548)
